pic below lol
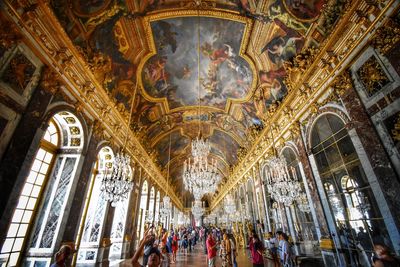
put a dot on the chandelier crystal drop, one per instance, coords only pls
(230, 206)
(200, 148)
(302, 203)
(166, 208)
(197, 209)
(200, 177)
(282, 184)
(117, 184)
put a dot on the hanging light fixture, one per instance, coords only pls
(167, 206)
(200, 177)
(118, 182)
(230, 206)
(282, 182)
(302, 203)
(197, 209)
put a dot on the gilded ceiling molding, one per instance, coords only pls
(386, 37)
(43, 30)
(316, 78)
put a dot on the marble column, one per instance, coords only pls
(311, 186)
(17, 159)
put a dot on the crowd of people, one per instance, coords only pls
(161, 248)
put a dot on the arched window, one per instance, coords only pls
(118, 226)
(45, 194)
(302, 220)
(352, 203)
(94, 221)
(143, 208)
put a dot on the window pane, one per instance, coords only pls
(18, 244)
(17, 215)
(13, 259)
(27, 189)
(44, 168)
(39, 179)
(12, 231)
(22, 230)
(48, 157)
(23, 200)
(335, 123)
(35, 191)
(27, 216)
(323, 128)
(332, 153)
(31, 203)
(40, 154)
(36, 165)
(7, 245)
(322, 162)
(32, 177)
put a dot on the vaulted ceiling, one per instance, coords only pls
(191, 66)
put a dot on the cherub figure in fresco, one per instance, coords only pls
(283, 48)
(217, 57)
(156, 74)
(277, 14)
(268, 90)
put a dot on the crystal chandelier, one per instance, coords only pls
(200, 177)
(117, 184)
(197, 209)
(302, 203)
(200, 148)
(167, 206)
(149, 216)
(282, 184)
(230, 206)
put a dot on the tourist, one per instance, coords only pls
(211, 245)
(383, 258)
(272, 247)
(149, 244)
(256, 249)
(174, 247)
(62, 256)
(225, 252)
(285, 251)
(154, 258)
(233, 250)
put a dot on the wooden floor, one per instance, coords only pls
(198, 258)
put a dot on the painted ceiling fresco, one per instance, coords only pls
(189, 44)
(234, 49)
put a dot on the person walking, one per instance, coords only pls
(256, 249)
(211, 245)
(225, 252)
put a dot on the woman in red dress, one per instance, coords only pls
(174, 247)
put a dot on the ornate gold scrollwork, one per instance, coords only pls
(386, 37)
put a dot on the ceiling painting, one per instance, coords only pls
(178, 143)
(213, 67)
(185, 45)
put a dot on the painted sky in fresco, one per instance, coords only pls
(173, 71)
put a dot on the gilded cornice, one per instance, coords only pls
(42, 29)
(320, 70)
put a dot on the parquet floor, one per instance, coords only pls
(197, 258)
